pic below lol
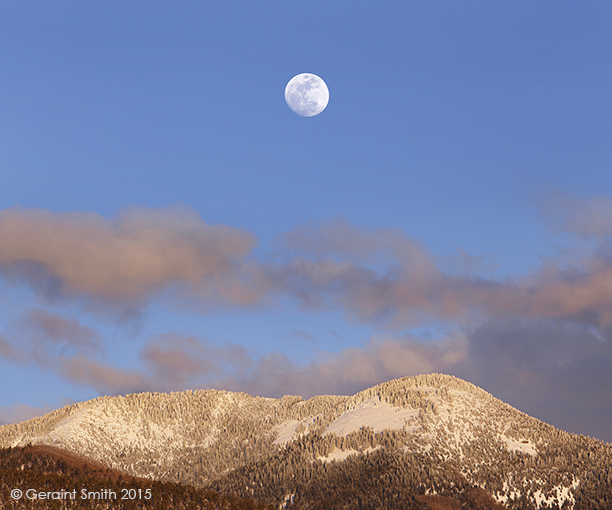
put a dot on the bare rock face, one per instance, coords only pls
(434, 433)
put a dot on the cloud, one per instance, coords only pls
(557, 371)
(174, 362)
(541, 341)
(382, 277)
(167, 362)
(9, 351)
(104, 378)
(177, 361)
(376, 276)
(586, 218)
(43, 336)
(553, 370)
(67, 348)
(43, 330)
(348, 371)
(128, 259)
(21, 412)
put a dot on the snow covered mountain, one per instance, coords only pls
(434, 433)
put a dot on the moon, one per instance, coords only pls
(307, 94)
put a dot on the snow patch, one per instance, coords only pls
(340, 455)
(523, 446)
(372, 413)
(286, 431)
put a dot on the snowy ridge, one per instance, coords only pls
(200, 436)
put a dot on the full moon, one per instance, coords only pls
(306, 94)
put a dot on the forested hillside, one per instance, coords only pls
(389, 445)
(70, 482)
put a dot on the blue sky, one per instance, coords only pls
(167, 222)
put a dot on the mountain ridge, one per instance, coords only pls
(215, 438)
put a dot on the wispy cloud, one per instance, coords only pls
(167, 362)
(9, 351)
(350, 370)
(377, 276)
(381, 276)
(21, 412)
(41, 336)
(585, 218)
(105, 378)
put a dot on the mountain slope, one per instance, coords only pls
(69, 482)
(437, 433)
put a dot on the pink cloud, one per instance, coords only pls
(9, 351)
(106, 379)
(21, 412)
(348, 371)
(141, 252)
(41, 328)
(382, 276)
(41, 335)
(378, 276)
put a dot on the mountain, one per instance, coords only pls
(432, 436)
